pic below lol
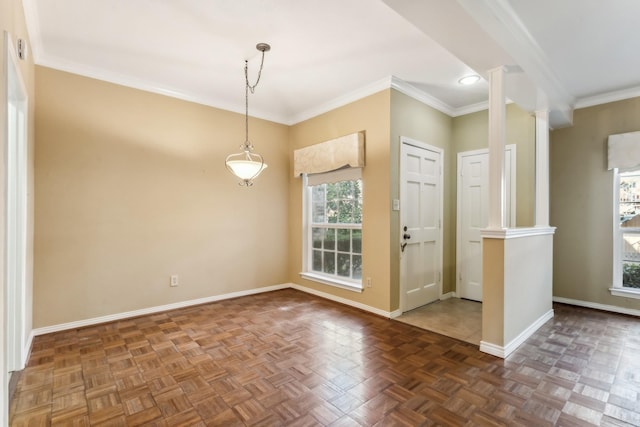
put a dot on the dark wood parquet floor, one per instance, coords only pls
(289, 358)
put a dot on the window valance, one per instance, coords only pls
(346, 151)
(624, 150)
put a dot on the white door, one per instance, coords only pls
(421, 233)
(473, 211)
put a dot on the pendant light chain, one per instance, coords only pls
(252, 88)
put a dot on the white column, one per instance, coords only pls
(497, 136)
(542, 169)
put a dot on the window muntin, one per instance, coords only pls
(335, 231)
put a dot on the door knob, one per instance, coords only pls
(406, 236)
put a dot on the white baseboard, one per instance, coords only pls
(597, 306)
(344, 301)
(150, 310)
(395, 313)
(504, 352)
(447, 296)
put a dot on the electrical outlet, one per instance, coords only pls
(368, 282)
(174, 281)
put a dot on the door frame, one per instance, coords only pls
(423, 146)
(16, 210)
(512, 197)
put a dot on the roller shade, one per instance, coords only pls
(346, 151)
(624, 150)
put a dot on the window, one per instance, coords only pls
(333, 229)
(626, 234)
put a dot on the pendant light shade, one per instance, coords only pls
(246, 164)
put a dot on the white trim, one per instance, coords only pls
(617, 238)
(344, 301)
(604, 98)
(340, 101)
(419, 95)
(331, 281)
(625, 292)
(16, 190)
(448, 295)
(598, 306)
(492, 349)
(504, 352)
(395, 313)
(151, 310)
(471, 108)
(514, 233)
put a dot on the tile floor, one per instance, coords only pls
(453, 317)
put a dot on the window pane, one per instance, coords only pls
(356, 267)
(357, 241)
(317, 261)
(318, 212)
(329, 262)
(344, 240)
(344, 265)
(329, 238)
(332, 212)
(630, 199)
(346, 208)
(317, 235)
(631, 260)
(317, 193)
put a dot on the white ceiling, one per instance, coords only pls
(326, 53)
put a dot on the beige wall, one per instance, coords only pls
(415, 120)
(12, 23)
(471, 132)
(371, 115)
(581, 202)
(493, 282)
(131, 188)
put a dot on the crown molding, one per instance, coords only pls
(341, 101)
(419, 95)
(149, 86)
(472, 108)
(604, 98)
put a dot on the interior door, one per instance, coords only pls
(421, 218)
(473, 211)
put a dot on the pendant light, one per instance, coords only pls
(247, 165)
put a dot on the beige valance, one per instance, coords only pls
(624, 150)
(346, 151)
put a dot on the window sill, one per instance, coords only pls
(625, 292)
(343, 284)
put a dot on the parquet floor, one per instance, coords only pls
(289, 358)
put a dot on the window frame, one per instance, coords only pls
(617, 288)
(307, 242)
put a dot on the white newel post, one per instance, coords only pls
(497, 136)
(542, 169)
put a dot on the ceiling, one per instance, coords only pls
(559, 54)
